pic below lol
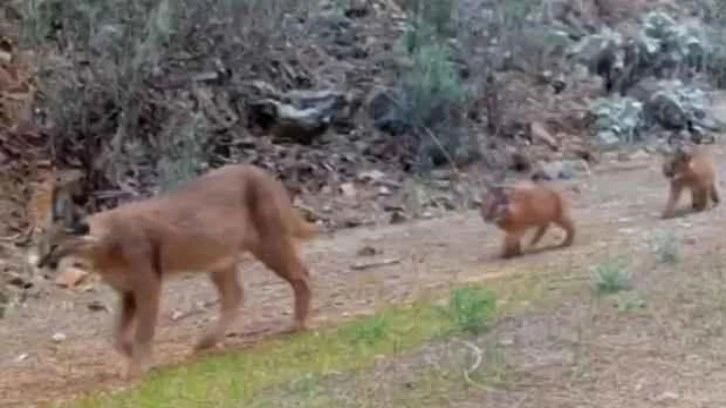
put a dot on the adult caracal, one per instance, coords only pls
(206, 224)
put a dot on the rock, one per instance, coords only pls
(299, 116)
(368, 251)
(5, 57)
(371, 176)
(563, 169)
(348, 190)
(59, 337)
(540, 133)
(70, 277)
(667, 396)
(586, 154)
(577, 167)
(644, 89)
(676, 106)
(384, 191)
(639, 154)
(393, 208)
(547, 170)
(326, 103)
(607, 139)
(622, 156)
(444, 201)
(357, 8)
(176, 315)
(397, 217)
(295, 125)
(352, 223)
(263, 89)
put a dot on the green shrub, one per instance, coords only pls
(184, 153)
(666, 248)
(437, 14)
(431, 98)
(611, 277)
(368, 332)
(471, 309)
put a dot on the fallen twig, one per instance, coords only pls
(479, 357)
(359, 266)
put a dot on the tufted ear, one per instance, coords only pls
(685, 152)
(78, 228)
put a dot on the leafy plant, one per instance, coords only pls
(369, 331)
(471, 309)
(431, 98)
(631, 304)
(616, 120)
(611, 277)
(184, 153)
(666, 248)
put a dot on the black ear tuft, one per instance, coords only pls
(79, 228)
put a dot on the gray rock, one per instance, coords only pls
(547, 170)
(576, 167)
(639, 155)
(371, 176)
(357, 8)
(397, 217)
(327, 103)
(348, 190)
(564, 169)
(607, 139)
(300, 116)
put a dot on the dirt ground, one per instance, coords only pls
(658, 344)
(617, 210)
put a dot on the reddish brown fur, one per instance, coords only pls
(690, 168)
(526, 205)
(205, 225)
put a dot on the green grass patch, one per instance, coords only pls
(471, 309)
(611, 277)
(234, 379)
(242, 378)
(441, 382)
(666, 248)
(631, 304)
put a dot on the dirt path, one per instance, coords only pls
(617, 211)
